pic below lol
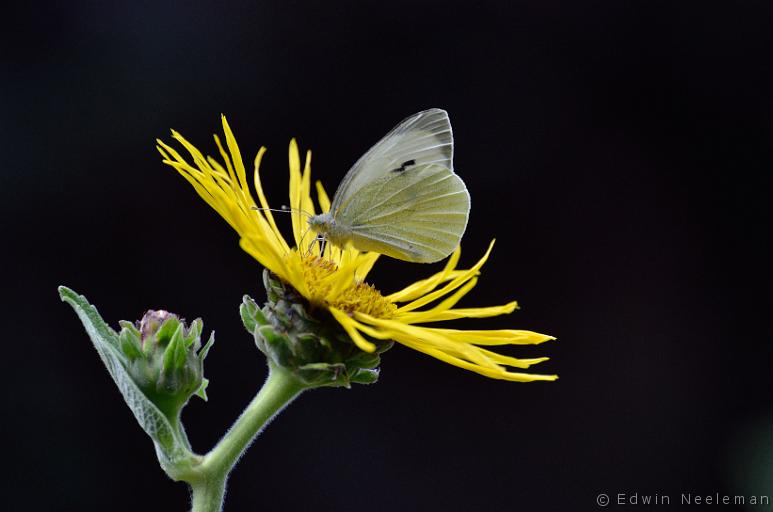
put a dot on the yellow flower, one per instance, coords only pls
(335, 279)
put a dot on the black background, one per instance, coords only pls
(620, 153)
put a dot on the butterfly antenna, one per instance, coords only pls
(283, 209)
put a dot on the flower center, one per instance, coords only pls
(356, 296)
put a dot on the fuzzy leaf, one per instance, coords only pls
(105, 340)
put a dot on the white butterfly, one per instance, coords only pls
(402, 198)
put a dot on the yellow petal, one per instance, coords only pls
(295, 190)
(512, 361)
(454, 314)
(263, 202)
(418, 335)
(424, 286)
(236, 156)
(493, 373)
(449, 302)
(454, 284)
(224, 156)
(322, 198)
(261, 251)
(349, 327)
(364, 265)
(340, 280)
(496, 337)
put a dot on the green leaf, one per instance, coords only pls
(169, 444)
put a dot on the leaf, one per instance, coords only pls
(168, 444)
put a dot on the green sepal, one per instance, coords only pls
(163, 335)
(322, 374)
(194, 334)
(365, 376)
(205, 350)
(172, 446)
(252, 316)
(274, 288)
(364, 360)
(202, 391)
(175, 354)
(273, 345)
(129, 340)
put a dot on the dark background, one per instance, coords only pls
(620, 153)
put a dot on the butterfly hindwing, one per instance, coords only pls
(417, 214)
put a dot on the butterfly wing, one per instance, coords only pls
(418, 214)
(423, 138)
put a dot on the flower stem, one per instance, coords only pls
(280, 389)
(207, 495)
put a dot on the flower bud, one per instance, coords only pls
(313, 347)
(165, 359)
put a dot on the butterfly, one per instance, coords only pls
(402, 198)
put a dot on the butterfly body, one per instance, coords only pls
(325, 225)
(402, 198)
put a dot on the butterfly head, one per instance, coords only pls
(325, 225)
(322, 223)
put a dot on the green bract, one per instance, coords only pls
(165, 358)
(298, 339)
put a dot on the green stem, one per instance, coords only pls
(207, 494)
(208, 490)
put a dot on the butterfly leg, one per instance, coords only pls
(322, 241)
(310, 247)
(322, 246)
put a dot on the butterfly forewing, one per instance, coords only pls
(423, 138)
